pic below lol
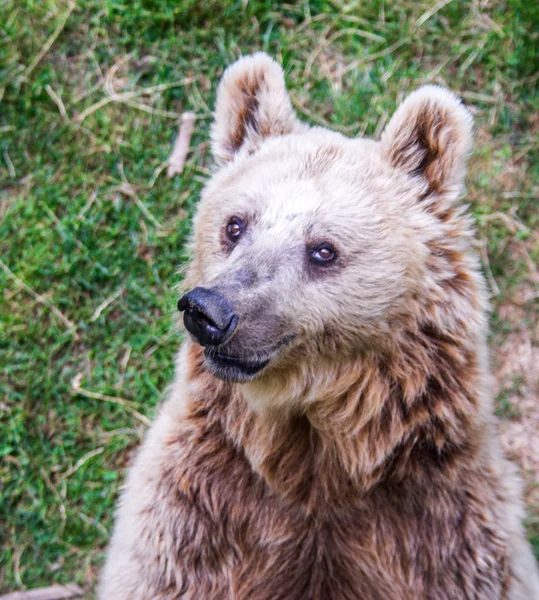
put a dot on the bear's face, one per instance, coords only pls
(311, 243)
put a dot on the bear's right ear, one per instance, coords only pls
(252, 104)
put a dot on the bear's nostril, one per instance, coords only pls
(203, 319)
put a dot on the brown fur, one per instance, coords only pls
(362, 462)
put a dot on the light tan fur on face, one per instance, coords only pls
(363, 461)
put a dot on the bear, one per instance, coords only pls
(330, 432)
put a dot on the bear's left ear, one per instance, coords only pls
(252, 104)
(430, 136)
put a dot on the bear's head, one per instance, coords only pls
(311, 247)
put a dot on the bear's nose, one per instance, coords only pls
(208, 316)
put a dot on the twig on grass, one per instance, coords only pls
(17, 565)
(168, 114)
(77, 390)
(88, 204)
(94, 523)
(432, 11)
(512, 223)
(50, 485)
(11, 169)
(28, 71)
(125, 97)
(127, 189)
(56, 98)
(346, 129)
(375, 56)
(495, 290)
(83, 460)
(38, 297)
(105, 303)
(326, 42)
(55, 592)
(176, 161)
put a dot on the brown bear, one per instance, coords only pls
(330, 433)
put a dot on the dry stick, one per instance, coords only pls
(82, 461)
(127, 189)
(312, 56)
(37, 296)
(168, 114)
(510, 222)
(346, 129)
(27, 72)
(58, 101)
(326, 42)
(474, 96)
(17, 565)
(77, 390)
(115, 400)
(376, 55)
(432, 11)
(124, 97)
(88, 204)
(63, 512)
(105, 303)
(181, 146)
(495, 290)
(55, 592)
(10, 167)
(108, 83)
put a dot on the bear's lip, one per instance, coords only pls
(236, 369)
(232, 368)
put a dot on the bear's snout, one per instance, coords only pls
(208, 316)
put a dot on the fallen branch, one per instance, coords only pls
(54, 592)
(181, 146)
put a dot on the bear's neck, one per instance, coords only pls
(412, 413)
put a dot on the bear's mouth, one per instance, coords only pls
(239, 370)
(232, 368)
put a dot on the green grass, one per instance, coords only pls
(86, 216)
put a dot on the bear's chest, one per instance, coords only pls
(288, 555)
(235, 537)
(216, 529)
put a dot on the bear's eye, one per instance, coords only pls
(323, 254)
(234, 229)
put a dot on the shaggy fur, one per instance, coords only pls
(362, 462)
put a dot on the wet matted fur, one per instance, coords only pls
(362, 462)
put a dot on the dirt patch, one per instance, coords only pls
(516, 370)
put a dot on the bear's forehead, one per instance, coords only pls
(291, 178)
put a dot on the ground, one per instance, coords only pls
(92, 231)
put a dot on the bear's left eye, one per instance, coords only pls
(234, 229)
(323, 254)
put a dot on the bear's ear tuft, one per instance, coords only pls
(252, 104)
(430, 136)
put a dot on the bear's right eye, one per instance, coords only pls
(323, 254)
(235, 229)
